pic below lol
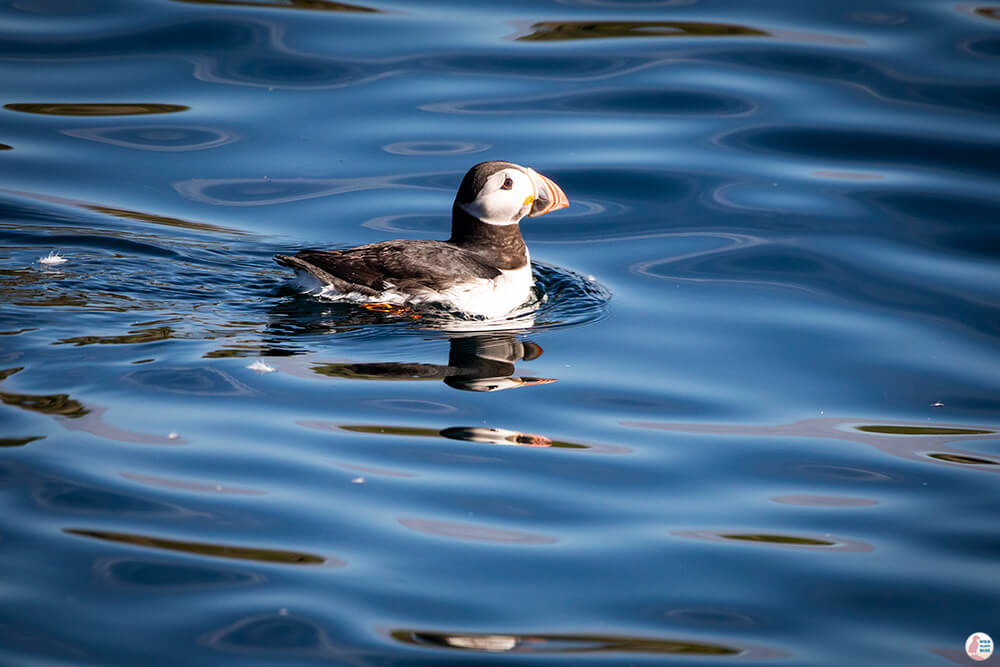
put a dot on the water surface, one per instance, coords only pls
(754, 416)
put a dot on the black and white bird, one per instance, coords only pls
(484, 269)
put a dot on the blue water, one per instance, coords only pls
(755, 414)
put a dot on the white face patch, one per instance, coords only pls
(504, 199)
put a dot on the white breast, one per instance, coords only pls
(491, 298)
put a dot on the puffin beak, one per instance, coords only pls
(548, 195)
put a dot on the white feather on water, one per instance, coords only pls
(52, 259)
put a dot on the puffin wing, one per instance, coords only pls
(374, 268)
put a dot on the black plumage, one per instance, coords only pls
(405, 266)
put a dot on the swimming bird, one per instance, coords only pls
(484, 269)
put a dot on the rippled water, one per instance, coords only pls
(754, 415)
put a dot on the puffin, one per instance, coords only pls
(482, 270)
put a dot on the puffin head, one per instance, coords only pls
(501, 193)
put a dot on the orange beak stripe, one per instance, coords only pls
(555, 196)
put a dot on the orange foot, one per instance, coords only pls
(390, 309)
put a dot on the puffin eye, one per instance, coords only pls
(507, 184)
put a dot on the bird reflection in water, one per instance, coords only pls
(495, 436)
(480, 361)
(476, 362)
(578, 644)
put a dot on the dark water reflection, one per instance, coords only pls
(98, 109)
(19, 442)
(204, 549)
(554, 31)
(794, 541)
(54, 404)
(315, 5)
(765, 422)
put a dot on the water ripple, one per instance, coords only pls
(907, 441)
(425, 148)
(153, 575)
(156, 137)
(473, 532)
(606, 101)
(794, 204)
(865, 147)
